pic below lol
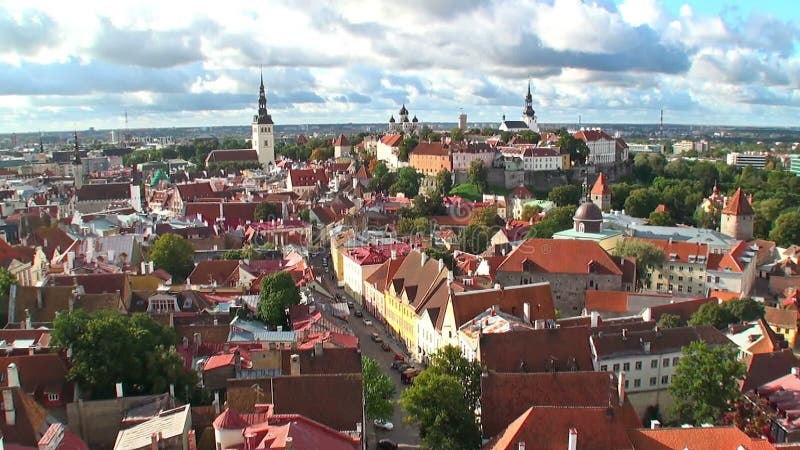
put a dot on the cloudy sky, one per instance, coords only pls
(66, 65)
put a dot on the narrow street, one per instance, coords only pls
(405, 434)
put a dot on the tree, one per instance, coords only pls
(567, 194)
(576, 148)
(787, 229)
(478, 175)
(321, 154)
(405, 148)
(457, 135)
(474, 238)
(444, 182)
(443, 255)
(278, 292)
(530, 136)
(427, 134)
(437, 403)
(744, 309)
(661, 218)
(378, 390)
(751, 415)
(173, 254)
(450, 361)
(414, 225)
(406, 181)
(108, 347)
(557, 219)
(529, 211)
(6, 280)
(647, 255)
(641, 202)
(468, 191)
(712, 314)
(267, 211)
(426, 206)
(706, 382)
(381, 178)
(669, 321)
(485, 216)
(619, 192)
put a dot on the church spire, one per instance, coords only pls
(529, 97)
(528, 112)
(263, 116)
(41, 142)
(77, 159)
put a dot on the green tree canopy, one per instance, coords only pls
(457, 135)
(528, 211)
(427, 134)
(619, 192)
(485, 216)
(712, 314)
(407, 181)
(278, 292)
(647, 255)
(378, 390)
(474, 238)
(437, 403)
(174, 254)
(669, 321)
(441, 254)
(266, 211)
(478, 175)
(414, 225)
(661, 218)
(787, 229)
(567, 194)
(557, 219)
(381, 178)
(405, 148)
(426, 206)
(108, 348)
(706, 382)
(6, 280)
(744, 309)
(444, 182)
(468, 191)
(530, 136)
(450, 361)
(641, 202)
(576, 148)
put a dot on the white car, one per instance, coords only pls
(367, 322)
(383, 424)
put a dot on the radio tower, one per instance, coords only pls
(661, 130)
(125, 136)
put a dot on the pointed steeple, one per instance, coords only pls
(263, 117)
(41, 142)
(77, 159)
(529, 97)
(528, 112)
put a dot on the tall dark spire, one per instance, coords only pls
(528, 111)
(77, 159)
(263, 117)
(41, 142)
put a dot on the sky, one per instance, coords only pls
(74, 65)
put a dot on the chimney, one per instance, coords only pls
(294, 364)
(288, 444)
(646, 346)
(624, 334)
(198, 340)
(28, 320)
(216, 403)
(119, 390)
(39, 296)
(572, 442)
(594, 318)
(654, 424)
(13, 375)
(393, 252)
(521, 445)
(621, 388)
(441, 265)
(423, 259)
(8, 406)
(143, 268)
(318, 349)
(526, 312)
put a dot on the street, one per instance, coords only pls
(405, 434)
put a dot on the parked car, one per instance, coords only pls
(386, 347)
(358, 313)
(376, 338)
(396, 363)
(383, 424)
(351, 305)
(407, 376)
(402, 367)
(387, 444)
(399, 357)
(367, 322)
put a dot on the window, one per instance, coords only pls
(660, 276)
(53, 396)
(675, 361)
(616, 367)
(680, 278)
(689, 289)
(638, 365)
(626, 367)
(665, 379)
(604, 368)
(680, 268)
(654, 364)
(626, 384)
(637, 382)
(665, 362)
(660, 286)
(671, 278)
(691, 269)
(653, 381)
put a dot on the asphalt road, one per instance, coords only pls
(405, 434)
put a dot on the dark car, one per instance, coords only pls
(358, 313)
(396, 363)
(376, 338)
(387, 444)
(386, 347)
(402, 367)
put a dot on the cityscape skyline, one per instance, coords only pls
(67, 67)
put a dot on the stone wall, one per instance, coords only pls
(569, 290)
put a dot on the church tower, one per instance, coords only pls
(263, 131)
(737, 217)
(77, 165)
(601, 193)
(528, 114)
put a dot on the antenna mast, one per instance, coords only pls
(661, 129)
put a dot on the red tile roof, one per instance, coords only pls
(229, 420)
(701, 438)
(601, 186)
(560, 256)
(107, 191)
(680, 249)
(431, 149)
(192, 191)
(607, 301)
(615, 345)
(511, 300)
(219, 270)
(341, 141)
(392, 140)
(548, 428)
(738, 205)
(217, 361)
(683, 309)
(308, 177)
(592, 135)
(765, 367)
(95, 283)
(504, 396)
(532, 350)
(231, 155)
(521, 192)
